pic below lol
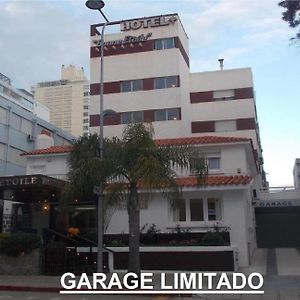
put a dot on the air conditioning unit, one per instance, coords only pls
(30, 138)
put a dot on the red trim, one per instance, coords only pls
(244, 93)
(245, 124)
(203, 126)
(136, 47)
(201, 97)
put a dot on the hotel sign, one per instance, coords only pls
(15, 181)
(127, 40)
(147, 23)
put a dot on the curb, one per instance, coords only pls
(29, 289)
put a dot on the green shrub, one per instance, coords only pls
(17, 243)
(213, 239)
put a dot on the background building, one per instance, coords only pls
(147, 78)
(21, 120)
(67, 99)
(296, 173)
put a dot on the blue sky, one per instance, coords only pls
(37, 37)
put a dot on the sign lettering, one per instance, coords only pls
(148, 22)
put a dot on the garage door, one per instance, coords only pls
(278, 227)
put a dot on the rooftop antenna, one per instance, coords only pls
(221, 61)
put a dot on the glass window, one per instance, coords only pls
(169, 43)
(26, 126)
(85, 114)
(213, 163)
(85, 127)
(126, 117)
(164, 44)
(213, 209)
(137, 117)
(85, 107)
(159, 83)
(173, 114)
(15, 121)
(196, 209)
(137, 85)
(179, 214)
(86, 93)
(2, 151)
(131, 85)
(3, 115)
(85, 120)
(158, 44)
(171, 81)
(125, 86)
(160, 115)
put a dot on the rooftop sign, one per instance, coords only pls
(147, 22)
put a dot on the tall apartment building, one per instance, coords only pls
(67, 99)
(21, 120)
(147, 78)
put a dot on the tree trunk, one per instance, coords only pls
(134, 231)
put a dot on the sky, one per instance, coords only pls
(38, 36)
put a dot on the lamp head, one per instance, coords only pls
(95, 4)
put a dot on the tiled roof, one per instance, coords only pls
(51, 150)
(200, 140)
(215, 180)
(161, 142)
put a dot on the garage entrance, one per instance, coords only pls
(278, 227)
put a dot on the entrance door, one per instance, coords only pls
(278, 227)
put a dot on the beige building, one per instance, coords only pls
(68, 100)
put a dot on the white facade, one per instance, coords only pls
(67, 99)
(147, 78)
(225, 202)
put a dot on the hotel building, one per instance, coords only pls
(147, 78)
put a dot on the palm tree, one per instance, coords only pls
(129, 163)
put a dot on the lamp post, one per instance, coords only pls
(98, 5)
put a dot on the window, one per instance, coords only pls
(213, 209)
(86, 94)
(85, 127)
(85, 120)
(85, 107)
(164, 44)
(2, 151)
(26, 126)
(180, 212)
(196, 210)
(85, 114)
(3, 115)
(223, 95)
(166, 114)
(165, 82)
(131, 85)
(213, 163)
(173, 114)
(15, 121)
(228, 125)
(132, 117)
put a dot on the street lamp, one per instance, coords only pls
(98, 5)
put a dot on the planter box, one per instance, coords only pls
(25, 264)
(178, 258)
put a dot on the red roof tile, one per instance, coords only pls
(51, 150)
(215, 180)
(161, 142)
(200, 140)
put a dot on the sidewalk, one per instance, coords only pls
(30, 283)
